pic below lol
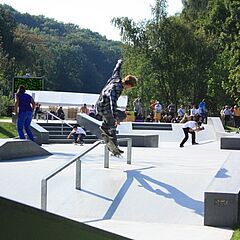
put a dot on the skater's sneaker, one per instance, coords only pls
(195, 143)
(181, 146)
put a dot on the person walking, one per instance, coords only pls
(106, 105)
(191, 127)
(24, 107)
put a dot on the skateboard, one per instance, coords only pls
(110, 145)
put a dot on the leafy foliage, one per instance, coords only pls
(187, 57)
(67, 57)
(179, 59)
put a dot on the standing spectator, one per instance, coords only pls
(60, 113)
(37, 111)
(222, 114)
(24, 107)
(236, 116)
(194, 112)
(78, 133)
(227, 115)
(171, 110)
(152, 109)
(106, 105)
(92, 112)
(157, 112)
(84, 109)
(181, 112)
(203, 111)
(137, 108)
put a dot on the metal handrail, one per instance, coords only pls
(58, 170)
(78, 168)
(129, 151)
(53, 115)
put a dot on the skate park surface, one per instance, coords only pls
(160, 195)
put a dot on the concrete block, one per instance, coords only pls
(221, 209)
(221, 199)
(231, 142)
(18, 148)
(141, 140)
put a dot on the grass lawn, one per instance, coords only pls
(236, 235)
(231, 129)
(8, 130)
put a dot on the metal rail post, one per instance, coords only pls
(129, 151)
(106, 156)
(78, 173)
(44, 194)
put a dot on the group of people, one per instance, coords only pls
(181, 115)
(106, 108)
(230, 113)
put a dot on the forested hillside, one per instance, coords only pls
(179, 59)
(69, 58)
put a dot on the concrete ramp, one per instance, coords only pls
(18, 148)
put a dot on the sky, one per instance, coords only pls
(95, 15)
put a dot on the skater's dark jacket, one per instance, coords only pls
(107, 101)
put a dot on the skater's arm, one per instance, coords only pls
(116, 71)
(70, 134)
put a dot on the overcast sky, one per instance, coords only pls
(92, 14)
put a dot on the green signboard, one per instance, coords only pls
(30, 83)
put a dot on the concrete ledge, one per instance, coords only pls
(141, 140)
(221, 199)
(231, 142)
(152, 126)
(17, 148)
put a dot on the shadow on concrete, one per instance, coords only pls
(171, 192)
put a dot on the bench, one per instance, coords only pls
(152, 126)
(221, 199)
(231, 142)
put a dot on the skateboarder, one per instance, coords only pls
(106, 105)
(191, 127)
(78, 133)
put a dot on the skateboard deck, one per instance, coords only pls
(110, 145)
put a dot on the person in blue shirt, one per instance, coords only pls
(24, 106)
(203, 111)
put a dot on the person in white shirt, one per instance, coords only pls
(78, 133)
(157, 112)
(191, 127)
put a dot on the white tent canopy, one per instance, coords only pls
(70, 98)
